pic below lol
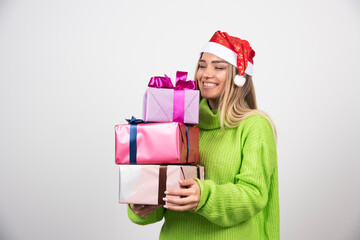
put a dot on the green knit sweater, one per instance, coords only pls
(239, 196)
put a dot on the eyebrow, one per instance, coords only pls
(216, 61)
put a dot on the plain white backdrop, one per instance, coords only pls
(71, 70)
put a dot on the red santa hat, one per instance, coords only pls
(233, 50)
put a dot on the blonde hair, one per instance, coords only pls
(237, 103)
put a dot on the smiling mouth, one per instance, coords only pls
(207, 84)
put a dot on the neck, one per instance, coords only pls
(213, 103)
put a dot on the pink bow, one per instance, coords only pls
(165, 82)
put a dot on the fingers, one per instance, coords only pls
(181, 204)
(180, 192)
(137, 206)
(187, 198)
(182, 201)
(187, 182)
(147, 211)
(143, 210)
(192, 188)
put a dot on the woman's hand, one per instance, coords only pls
(143, 210)
(189, 196)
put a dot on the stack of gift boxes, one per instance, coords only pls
(155, 153)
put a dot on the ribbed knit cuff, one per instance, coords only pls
(134, 217)
(152, 218)
(202, 194)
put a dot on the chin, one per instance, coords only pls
(209, 95)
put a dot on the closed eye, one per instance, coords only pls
(219, 68)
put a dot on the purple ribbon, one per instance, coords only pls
(179, 94)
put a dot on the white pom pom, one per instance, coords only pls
(239, 80)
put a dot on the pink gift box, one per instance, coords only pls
(146, 184)
(158, 143)
(159, 105)
(164, 102)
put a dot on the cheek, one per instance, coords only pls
(198, 75)
(222, 87)
(222, 79)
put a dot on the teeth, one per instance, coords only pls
(209, 84)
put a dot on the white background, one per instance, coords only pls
(71, 70)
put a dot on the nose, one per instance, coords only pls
(208, 73)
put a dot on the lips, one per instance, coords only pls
(209, 84)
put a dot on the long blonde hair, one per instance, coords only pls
(237, 103)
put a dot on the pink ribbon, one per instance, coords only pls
(179, 94)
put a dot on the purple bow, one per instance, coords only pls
(165, 82)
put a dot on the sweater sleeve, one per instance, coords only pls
(232, 203)
(154, 217)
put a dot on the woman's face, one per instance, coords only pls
(211, 76)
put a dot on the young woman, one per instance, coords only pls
(239, 197)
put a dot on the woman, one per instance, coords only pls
(239, 197)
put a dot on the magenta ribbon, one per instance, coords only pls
(179, 94)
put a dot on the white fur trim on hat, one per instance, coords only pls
(227, 54)
(249, 69)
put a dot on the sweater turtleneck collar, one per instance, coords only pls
(208, 118)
